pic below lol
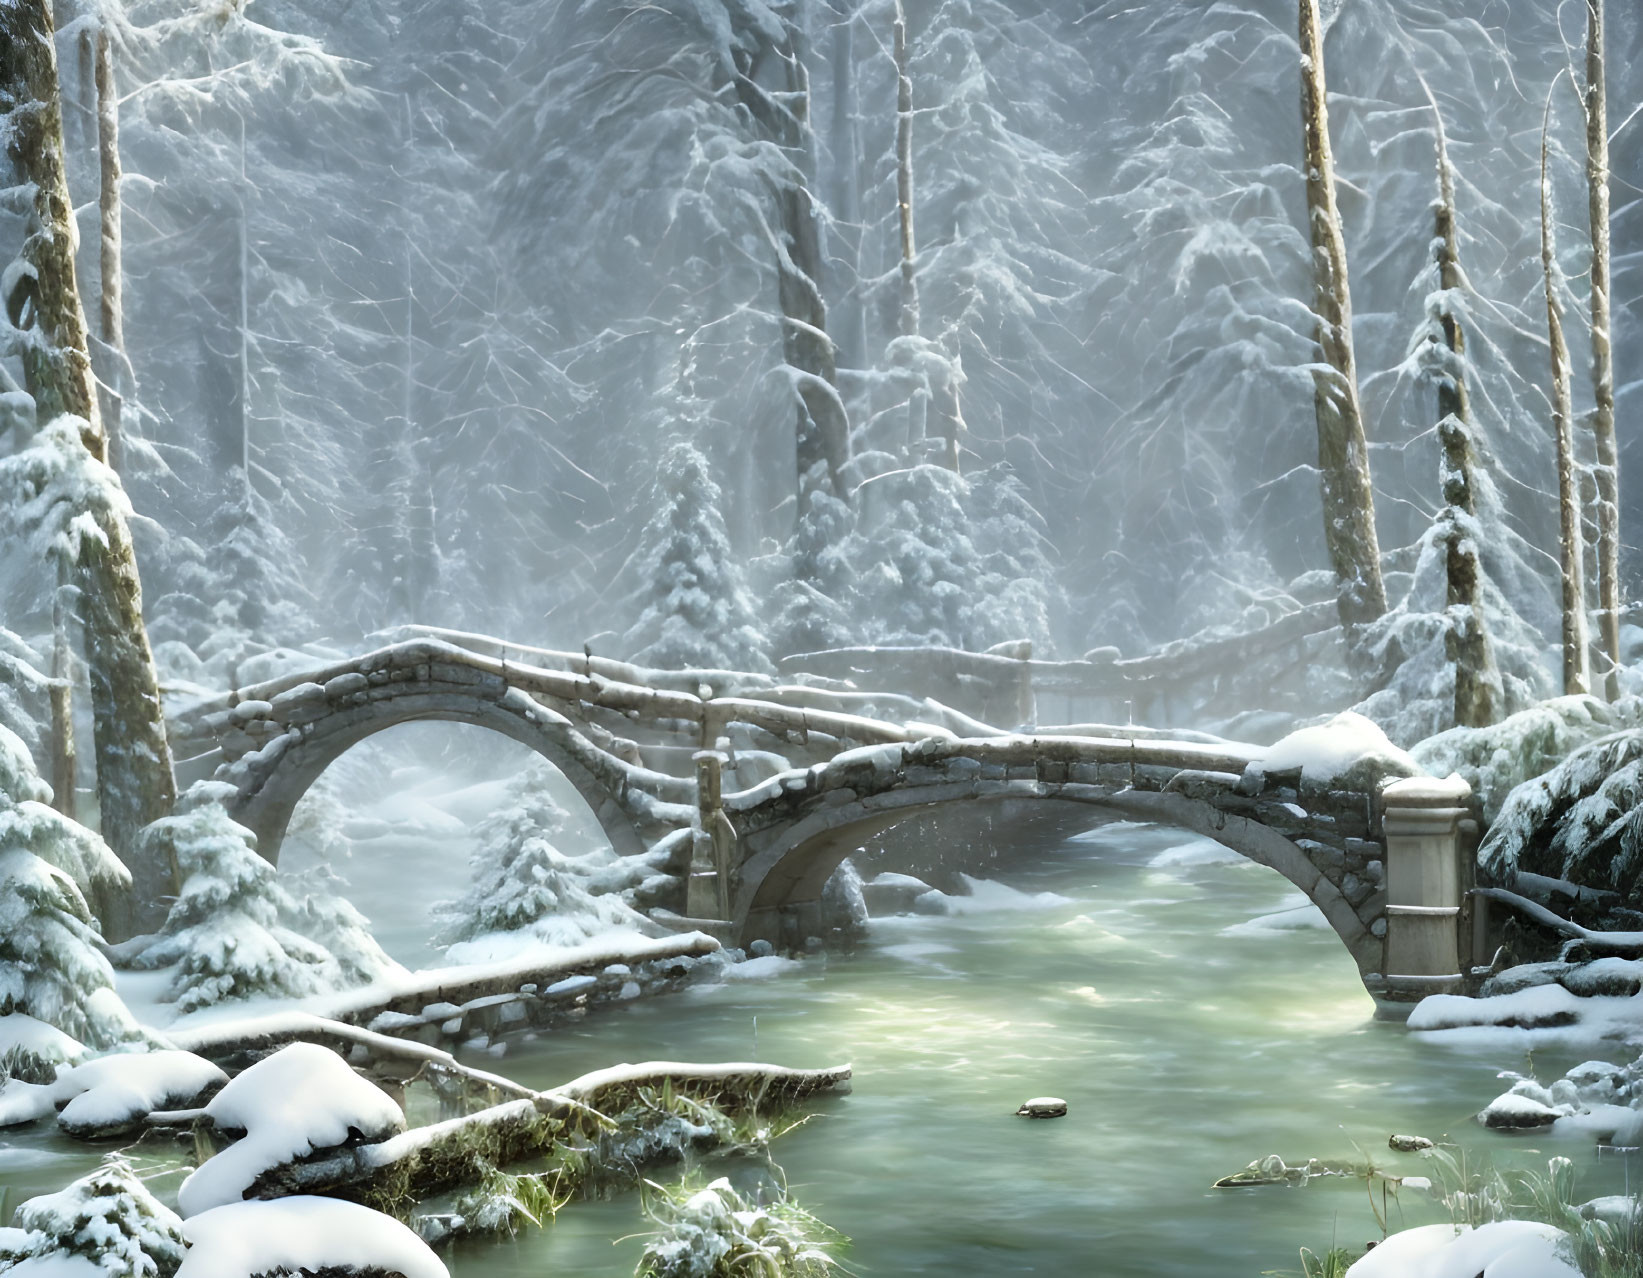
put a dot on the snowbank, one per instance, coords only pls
(1348, 752)
(288, 1235)
(1506, 1249)
(301, 1099)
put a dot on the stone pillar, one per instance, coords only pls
(1423, 820)
(712, 852)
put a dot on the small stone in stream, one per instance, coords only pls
(761, 949)
(1408, 1144)
(1043, 1107)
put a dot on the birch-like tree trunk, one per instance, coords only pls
(134, 780)
(850, 324)
(1571, 552)
(909, 315)
(1478, 691)
(1607, 471)
(110, 307)
(938, 411)
(1343, 449)
(64, 761)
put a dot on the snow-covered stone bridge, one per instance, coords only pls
(752, 801)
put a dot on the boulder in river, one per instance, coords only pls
(1043, 1107)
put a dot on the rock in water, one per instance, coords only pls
(1043, 1107)
(1408, 1144)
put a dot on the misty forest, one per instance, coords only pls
(694, 638)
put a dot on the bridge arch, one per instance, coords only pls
(272, 780)
(779, 889)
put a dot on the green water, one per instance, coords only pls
(1184, 1053)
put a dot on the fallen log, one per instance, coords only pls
(263, 1034)
(442, 1157)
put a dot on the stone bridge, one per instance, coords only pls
(1384, 858)
(750, 802)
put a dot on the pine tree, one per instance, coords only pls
(233, 931)
(51, 961)
(522, 882)
(110, 1219)
(693, 603)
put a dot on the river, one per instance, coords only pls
(1117, 968)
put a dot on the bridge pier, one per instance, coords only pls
(1424, 821)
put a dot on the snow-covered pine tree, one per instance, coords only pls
(234, 930)
(693, 606)
(51, 960)
(814, 605)
(108, 1218)
(1021, 598)
(523, 883)
(922, 570)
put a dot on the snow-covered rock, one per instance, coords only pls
(1505, 1249)
(112, 1094)
(302, 1099)
(302, 1234)
(1347, 752)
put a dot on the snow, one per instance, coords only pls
(301, 1233)
(116, 1089)
(986, 897)
(1345, 752)
(1296, 915)
(1505, 1249)
(57, 1266)
(23, 1035)
(111, 1090)
(302, 1098)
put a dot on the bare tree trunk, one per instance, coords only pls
(45, 297)
(904, 175)
(1343, 450)
(1478, 691)
(849, 327)
(822, 434)
(134, 780)
(943, 402)
(1570, 551)
(1607, 471)
(111, 313)
(63, 759)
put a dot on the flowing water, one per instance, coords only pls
(1118, 969)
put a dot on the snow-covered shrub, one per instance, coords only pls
(715, 1232)
(694, 609)
(1418, 699)
(109, 1220)
(1582, 821)
(524, 886)
(51, 965)
(234, 930)
(1498, 758)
